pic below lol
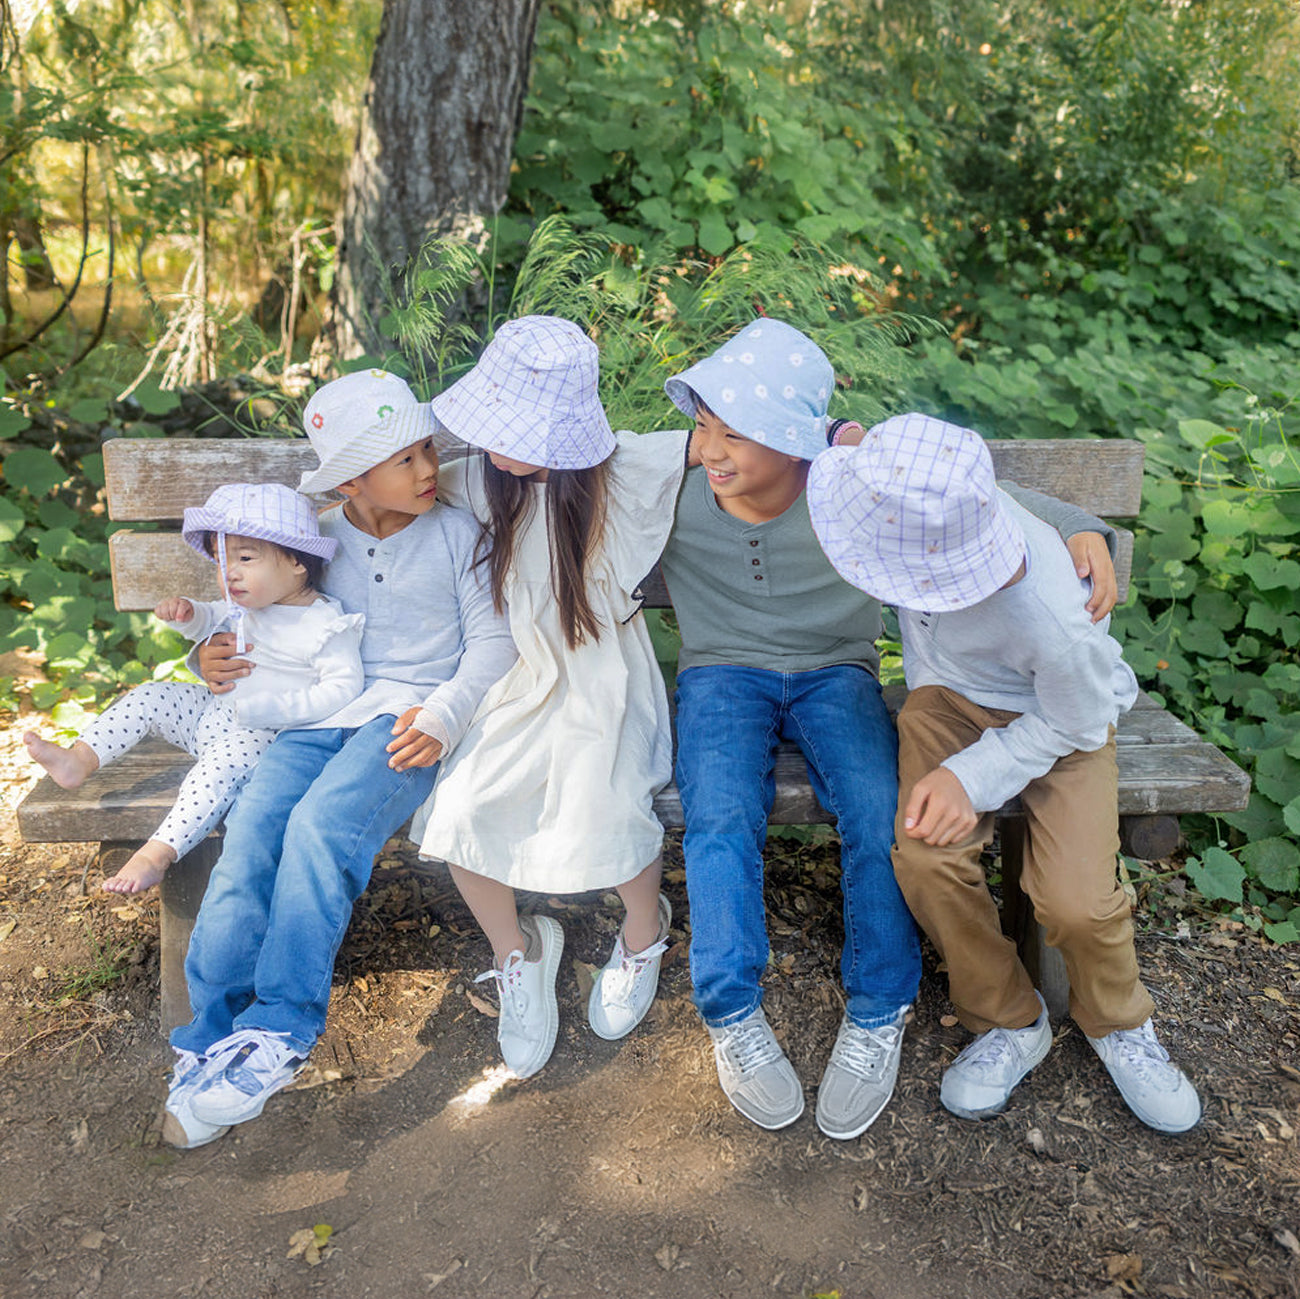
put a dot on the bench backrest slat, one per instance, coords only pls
(154, 479)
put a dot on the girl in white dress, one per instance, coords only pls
(552, 788)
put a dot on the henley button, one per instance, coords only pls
(756, 562)
(379, 577)
(371, 552)
(753, 543)
(758, 577)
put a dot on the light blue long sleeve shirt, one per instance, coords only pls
(432, 639)
(1033, 649)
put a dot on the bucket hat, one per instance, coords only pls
(770, 383)
(913, 515)
(533, 396)
(266, 511)
(358, 421)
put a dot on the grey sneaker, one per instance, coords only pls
(1154, 1088)
(755, 1074)
(182, 1128)
(625, 986)
(530, 1015)
(859, 1079)
(979, 1082)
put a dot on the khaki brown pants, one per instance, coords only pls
(1069, 874)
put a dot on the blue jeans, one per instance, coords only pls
(729, 721)
(300, 844)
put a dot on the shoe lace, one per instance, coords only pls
(865, 1050)
(619, 984)
(989, 1049)
(752, 1046)
(1139, 1049)
(510, 985)
(272, 1051)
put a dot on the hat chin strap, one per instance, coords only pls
(233, 611)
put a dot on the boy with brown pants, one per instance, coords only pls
(1013, 691)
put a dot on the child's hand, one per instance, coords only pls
(218, 666)
(175, 609)
(1092, 559)
(412, 748)
(938, 810)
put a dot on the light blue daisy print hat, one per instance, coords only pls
(769, 382)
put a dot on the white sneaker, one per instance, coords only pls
(244, 1071)
(755, 1074)
(859, 1079)
(182, 1128)
(530, 1016)
(979, 1082)
(626, 986)
(1155, 1089)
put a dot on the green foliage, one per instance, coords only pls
(700, 134)
(55, 593)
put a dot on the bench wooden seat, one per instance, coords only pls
(1165, 768)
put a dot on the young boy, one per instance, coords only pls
(1014, 690)
(303, 834)
(775, 646)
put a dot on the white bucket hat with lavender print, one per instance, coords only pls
(913, 516)
(533, 397)
(357, 422)
(769, 382)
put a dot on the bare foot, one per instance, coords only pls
(68, 768)
(143, 869)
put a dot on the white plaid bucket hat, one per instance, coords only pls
(533, 397)
(266, 511)
(357, 422)
(770, 383)
(913, 517)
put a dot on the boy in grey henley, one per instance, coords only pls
(1013, 690)
(776, 646)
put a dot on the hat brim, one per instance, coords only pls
(199, 522)
(487, 415)
(403, 428)
(928, 583)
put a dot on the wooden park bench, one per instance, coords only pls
(1165, 769)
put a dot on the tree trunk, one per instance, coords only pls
(441, 112)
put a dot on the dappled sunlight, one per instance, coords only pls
(478, 1094)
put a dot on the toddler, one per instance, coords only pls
(270, 554)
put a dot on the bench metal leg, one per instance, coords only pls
(182, 891)
(1045, 964)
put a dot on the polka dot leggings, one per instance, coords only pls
(193, 719)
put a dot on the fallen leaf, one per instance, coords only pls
(949, 1021)
(1123, 1267)
(1276, 994)
(483, 1007)
(92, 1240)
(40, 972)
(437, 1278)
(666, 1256)
(1287, 1240)
(6, 929)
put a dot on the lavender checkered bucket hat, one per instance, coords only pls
(770, 383)
(913, 517)
(357, 422)
(533, 397)
(266, 511)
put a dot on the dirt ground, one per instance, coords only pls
(621, 1169)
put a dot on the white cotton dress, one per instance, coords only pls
(551, 789)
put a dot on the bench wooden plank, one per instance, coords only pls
(156, 478)
(1164, 769)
